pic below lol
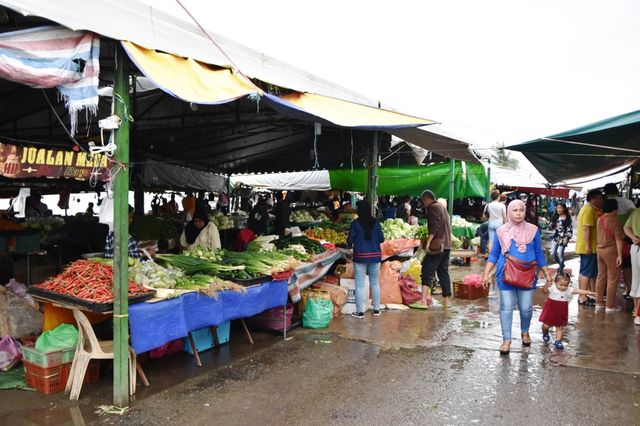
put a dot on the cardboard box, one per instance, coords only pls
(350, 284)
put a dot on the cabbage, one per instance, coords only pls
(394, 229)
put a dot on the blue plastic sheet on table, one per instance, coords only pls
(154, 324)
(201, 310)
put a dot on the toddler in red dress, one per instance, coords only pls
(555, 312)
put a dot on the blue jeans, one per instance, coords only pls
(557, 253)
(508, 304)
(360, 271)
(493, 226)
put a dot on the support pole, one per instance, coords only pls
(452, 186)
(121, 237)
(488, 196)
(373, 175)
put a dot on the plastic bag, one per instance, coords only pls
(64, 336)
(338, 295)
(317, 313)
(389, 287)
(420, 254)
(409, 290)
(20, 290)
(10, 353)
(474, 280)
(415, 271)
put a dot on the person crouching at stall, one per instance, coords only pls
(365, 235)
(200, 232)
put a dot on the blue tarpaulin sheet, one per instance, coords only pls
(154, 324)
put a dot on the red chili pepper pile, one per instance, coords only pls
(89, 281)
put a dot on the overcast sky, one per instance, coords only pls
(491, 71)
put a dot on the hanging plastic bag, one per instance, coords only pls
(10, 353)
(420, 254)
(106, 211)
(64, 336)
(317, 313)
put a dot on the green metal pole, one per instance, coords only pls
(121, 237)
(373, 175)
(452, 186)
(488, 196)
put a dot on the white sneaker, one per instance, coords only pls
(600, 307)
(636, 321)
(614, 309)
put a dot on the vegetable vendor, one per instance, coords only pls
(134, 251)
(200, 232)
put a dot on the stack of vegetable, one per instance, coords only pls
(154, 228)
(310, 246)
(149, 273)
(89, 281)
(231, 265)
(459, 222)
(394, 229)
(223, 222)
(302, 216)
(421, 233)
(43, 224)
(327, 234)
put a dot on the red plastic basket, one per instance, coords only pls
(50, 380)
(46, 380)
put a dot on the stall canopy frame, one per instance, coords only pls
(587, 150)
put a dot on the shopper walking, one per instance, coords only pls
(632, 229)
(610, 240)
(438, 248)
(561, 224)
(586, 244)
(365, 236)
(517, 242)
(496, 214)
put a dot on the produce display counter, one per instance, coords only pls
(310, 272)
(157, 323)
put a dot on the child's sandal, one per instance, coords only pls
(545, 336)
(558, 344)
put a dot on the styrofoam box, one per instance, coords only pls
(204, 339)
(350, 284)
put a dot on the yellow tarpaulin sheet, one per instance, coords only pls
(348, 114)
(189, 80)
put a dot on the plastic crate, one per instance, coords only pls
(48, 380)
(49, 359)
(203, 338)
(462, 291)
(53, 380)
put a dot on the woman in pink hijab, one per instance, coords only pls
(520, 240)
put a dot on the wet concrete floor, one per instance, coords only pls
(409, 367)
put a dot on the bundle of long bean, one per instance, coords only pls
(89, 281)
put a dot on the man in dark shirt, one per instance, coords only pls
(438, 247)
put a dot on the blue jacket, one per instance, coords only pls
(534, 252)
(365, 251)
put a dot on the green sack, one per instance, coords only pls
(317, 313)
(64, 336)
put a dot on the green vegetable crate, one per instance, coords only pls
(49, 359)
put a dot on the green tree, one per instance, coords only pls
(503, 159)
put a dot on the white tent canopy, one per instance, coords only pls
(316, 180)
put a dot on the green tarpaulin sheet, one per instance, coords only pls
(587, 150)
(470, 180)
